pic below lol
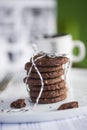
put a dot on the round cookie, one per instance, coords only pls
(42, 69)
(49, 100)
(46, 81)
(55, 86)
(48, 75)
(48, 94)
(49, 60)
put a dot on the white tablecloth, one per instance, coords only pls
(75, 123)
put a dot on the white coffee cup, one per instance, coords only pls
(62, 44)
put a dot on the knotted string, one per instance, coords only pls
(51, 55)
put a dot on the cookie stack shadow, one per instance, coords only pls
(52, 72)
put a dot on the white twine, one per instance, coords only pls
(52, 55)
(42, 82)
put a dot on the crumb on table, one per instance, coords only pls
(69, 105)
(18, 103)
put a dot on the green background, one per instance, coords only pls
(72, 18)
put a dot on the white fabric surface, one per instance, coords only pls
(75, 123)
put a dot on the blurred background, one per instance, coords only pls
(23, 21)
(72, 18)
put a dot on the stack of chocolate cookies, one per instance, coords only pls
(46, 72)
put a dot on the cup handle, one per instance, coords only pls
(82, 51)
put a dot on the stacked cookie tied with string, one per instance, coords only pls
(46, 78)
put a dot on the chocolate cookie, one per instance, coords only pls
(49, 60)
(49, 100)
(48, 94)
(42, 69)
(18, 103)
(51, 69)
(48, 75)
(68, 105)
(55, 86)
(46, 81)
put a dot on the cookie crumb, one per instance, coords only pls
(18, 103)
(68, 105)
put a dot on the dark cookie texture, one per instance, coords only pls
(50, 61)
(42, 69)
(68, 105)
(50, 100)
(48, 75)
(48, 94)
(18, 103)
(49, 70)
(55, 86)
(46, 81)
